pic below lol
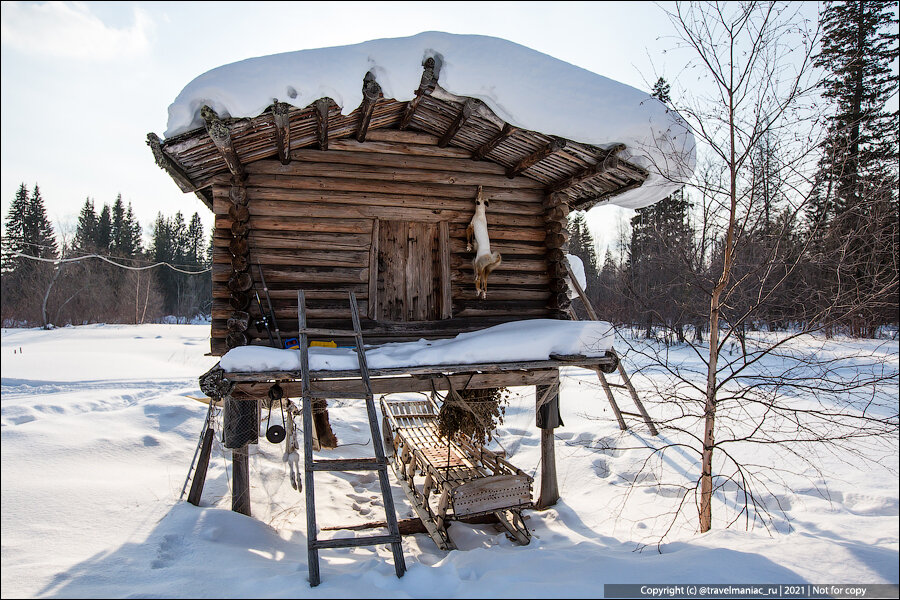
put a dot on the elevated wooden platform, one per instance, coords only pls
(334, 384)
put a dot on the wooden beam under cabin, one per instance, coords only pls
(554, 145)
(468, 108)
(495, 141)
(371, 93)
(607, 163)
(282, 122)
(426, 86)
(220, 134)
(169, 164)
(322, 106)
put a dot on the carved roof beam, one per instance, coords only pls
(495, 141)
(220, 134)
(371, 93)
(281, 118)
(607, 163)
(322, 106)
(464, 114)
(426, 86)
(555, 145)
(169, 164)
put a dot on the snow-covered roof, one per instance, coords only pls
(522, 87)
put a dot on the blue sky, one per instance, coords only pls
(83, 83)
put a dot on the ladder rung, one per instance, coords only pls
(631, 414)
(348, 464)
(372, 540)
(321, 331)
(617, 385)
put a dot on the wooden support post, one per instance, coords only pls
(280, 115)
(240, 480)
(426, 86)
(547, 399)
(322, 107)
(202, 467)
(555, 145)
(220, 134)
(549, 486)
(371, 93)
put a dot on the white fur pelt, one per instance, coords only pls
(485, 261)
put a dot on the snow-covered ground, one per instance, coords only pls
(99, 427)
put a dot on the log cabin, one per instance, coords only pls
(313, 192)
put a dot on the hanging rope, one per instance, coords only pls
(58, 261)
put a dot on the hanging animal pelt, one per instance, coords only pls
(485, 261)
(474, 414)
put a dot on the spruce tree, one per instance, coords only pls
(134, 234)
(39, 239)
(86, 231)
(104, 230)
(853, 217)
(119, 234)
(14, 236)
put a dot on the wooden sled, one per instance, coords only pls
(447, 480)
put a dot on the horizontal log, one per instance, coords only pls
(342, 182)
(281, 210)
(382, 172)
(406, 137)
(464, 263)
(388, 385)
(302, 276)
(370, 154)
(261, 240)
(273, 224)
(502, 233)
(400, 148)
(324, 258)
(338, 292)
(464, 204)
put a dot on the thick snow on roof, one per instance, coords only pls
(534, 339)
(524, 87)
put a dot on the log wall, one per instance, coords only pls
(312, 223)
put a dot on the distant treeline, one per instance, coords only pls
(100, 274)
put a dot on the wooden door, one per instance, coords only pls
(409, 268)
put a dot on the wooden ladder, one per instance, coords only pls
(378, 463)
(607, 386)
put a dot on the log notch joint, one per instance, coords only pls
(554, 145)
(467, 110)
(220, 134)
(427, 84)
(556, 215)
(282, 122)
(371, 93)
(322, 106)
